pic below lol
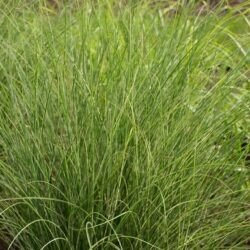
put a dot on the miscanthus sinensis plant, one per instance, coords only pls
(121, 127)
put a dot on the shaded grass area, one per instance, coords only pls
(122, 128)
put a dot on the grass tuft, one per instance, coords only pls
(124, 127)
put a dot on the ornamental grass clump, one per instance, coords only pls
(121, 127)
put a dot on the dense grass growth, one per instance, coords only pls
(123, 128)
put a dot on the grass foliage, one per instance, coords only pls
(123, 127)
